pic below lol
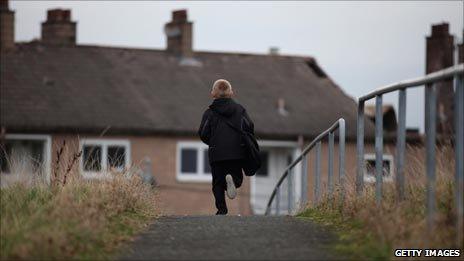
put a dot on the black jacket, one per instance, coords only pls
(224, 141)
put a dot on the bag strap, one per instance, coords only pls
(228, 122)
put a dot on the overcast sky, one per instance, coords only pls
(361, 45)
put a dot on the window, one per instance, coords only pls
(189, 160)
(92, 157)
(369, 168)
(99, 156)
(25, 153)
(116, 156)
(193, 162)
(264, 170)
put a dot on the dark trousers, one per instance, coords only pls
(219, 171)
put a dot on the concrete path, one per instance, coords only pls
(232, 238)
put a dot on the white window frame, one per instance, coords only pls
(386, 157)
(104, 143)
(47, 148)
(200, 175)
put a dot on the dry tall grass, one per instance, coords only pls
(402, 224)
(72, 218)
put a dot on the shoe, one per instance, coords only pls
(221, 212)
(231, 190)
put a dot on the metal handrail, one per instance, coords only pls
(429, 78)
(339, 124)
(430, 81)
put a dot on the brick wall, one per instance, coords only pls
(174, 197)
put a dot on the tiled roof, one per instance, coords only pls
(88, 89)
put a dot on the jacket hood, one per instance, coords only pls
(224, 106)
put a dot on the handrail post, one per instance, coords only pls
(401, 143)
(330, 164)
(277, 195)
(316, 142)
(341, 159)
(378, 148)
(290, 191)
(459, 156)
(304, 181)
(360, 149)
(430, 133)
(317, 170)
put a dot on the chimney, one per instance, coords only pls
(281, 107)
(461, 50)
(439, 55)
(179, 34)
(461, 53)
(59, 29)
(6, 26)
(274, 50)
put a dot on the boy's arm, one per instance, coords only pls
(205, 127)
(250, 123)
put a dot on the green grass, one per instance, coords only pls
(82, 220)
(354, 242)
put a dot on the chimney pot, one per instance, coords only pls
(58, 15)
(440, 30)
(179, 16)
(4, 5)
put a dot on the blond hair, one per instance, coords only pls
(222, 89)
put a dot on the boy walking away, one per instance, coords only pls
(220, 130)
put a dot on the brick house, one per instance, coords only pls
(128, 106)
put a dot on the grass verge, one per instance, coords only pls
(354, 243)
(368, 230)
(80, 220)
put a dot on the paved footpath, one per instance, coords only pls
(232, 238)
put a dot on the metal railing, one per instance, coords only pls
(430, 82)
(288, 173)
